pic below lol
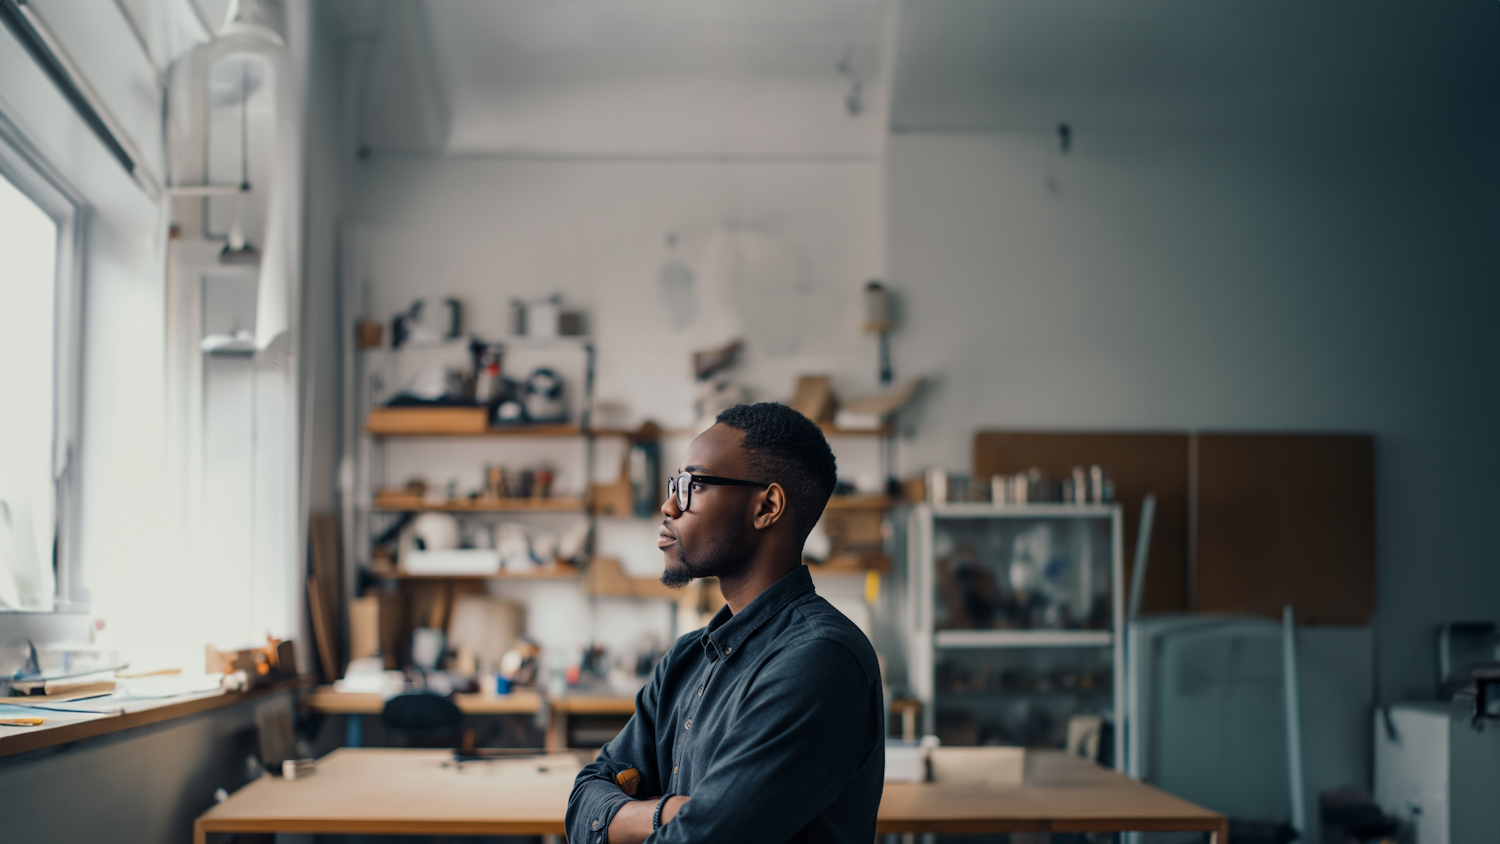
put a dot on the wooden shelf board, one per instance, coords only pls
(517, 431)
(828, 431)
(560, 571)
(832, 431)
(859, 502)
(484, 505)
(852, 564)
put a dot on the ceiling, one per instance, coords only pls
(763, 78)
(1142, 64)
(637, 78)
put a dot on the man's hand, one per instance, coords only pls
(632, 823)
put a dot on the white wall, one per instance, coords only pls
(596, 231)
(1297, 281)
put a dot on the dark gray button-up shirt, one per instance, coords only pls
(771, 720)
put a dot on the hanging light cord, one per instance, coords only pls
(245, 125)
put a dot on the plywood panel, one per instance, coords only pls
(1141, 463)
(1287, 519)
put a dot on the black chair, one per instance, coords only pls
(422, 719)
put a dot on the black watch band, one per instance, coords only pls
(656, 815)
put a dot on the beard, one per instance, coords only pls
(724, 556)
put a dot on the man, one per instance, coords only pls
(767, 725)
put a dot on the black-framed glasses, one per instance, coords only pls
(682, 486)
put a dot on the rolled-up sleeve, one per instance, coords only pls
(596, 797)
(803, 729)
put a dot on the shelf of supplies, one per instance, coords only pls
(555, 431)
(1023, 638)
(982, 509)
(558, 571)
(834, 431)
(859, 502)
(412, 504)
(852, 564)
(828, 431)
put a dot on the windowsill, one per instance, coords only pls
(71, 728)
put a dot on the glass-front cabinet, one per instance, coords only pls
(1015, 615)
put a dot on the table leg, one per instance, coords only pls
(557, 731)
(1220, 835)
(354, 729)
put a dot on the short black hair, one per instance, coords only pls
(783, 446)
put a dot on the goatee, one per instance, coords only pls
(724, 557)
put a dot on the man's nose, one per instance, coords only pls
(669, 507)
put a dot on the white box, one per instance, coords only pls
(455, 561)
(905, 761)
(979, 765)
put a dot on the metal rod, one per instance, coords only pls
(1293, 719)
(204, 190)
(1142, 551)
(48, 52)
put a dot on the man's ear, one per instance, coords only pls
(772, 507)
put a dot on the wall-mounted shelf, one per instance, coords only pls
(379, 430)
(471, 422)
(859, 502)
(412, 504)
(828, 430)
(832, 431)
(1023, 638)
(853, 564)
(557, 571)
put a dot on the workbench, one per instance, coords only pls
(66, 727)
(519, 702)
(423, 792)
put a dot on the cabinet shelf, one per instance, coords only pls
(859, 502)
(413, 504)
(1050, 510)
(559, 571)
(852, 564)
(1023, 638)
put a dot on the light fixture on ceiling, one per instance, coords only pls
(236, 249)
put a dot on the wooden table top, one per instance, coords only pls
(421, 792)
(1060, 793)
(586, 704)
(65, 727)
(518, 702)
(415, 792)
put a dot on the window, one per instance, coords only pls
(37, 383)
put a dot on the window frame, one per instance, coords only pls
(34, 175)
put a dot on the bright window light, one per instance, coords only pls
(28, 282)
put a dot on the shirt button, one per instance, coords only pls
(596, 823)
(700, 691)
(727, 650)
(674, 769)
(688, 725)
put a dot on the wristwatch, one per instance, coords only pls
(656, 815)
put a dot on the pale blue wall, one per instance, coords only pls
(1301, 280)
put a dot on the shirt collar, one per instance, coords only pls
(727, 631)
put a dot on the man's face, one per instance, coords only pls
(710, 539)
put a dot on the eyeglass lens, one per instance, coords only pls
(681, 486)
